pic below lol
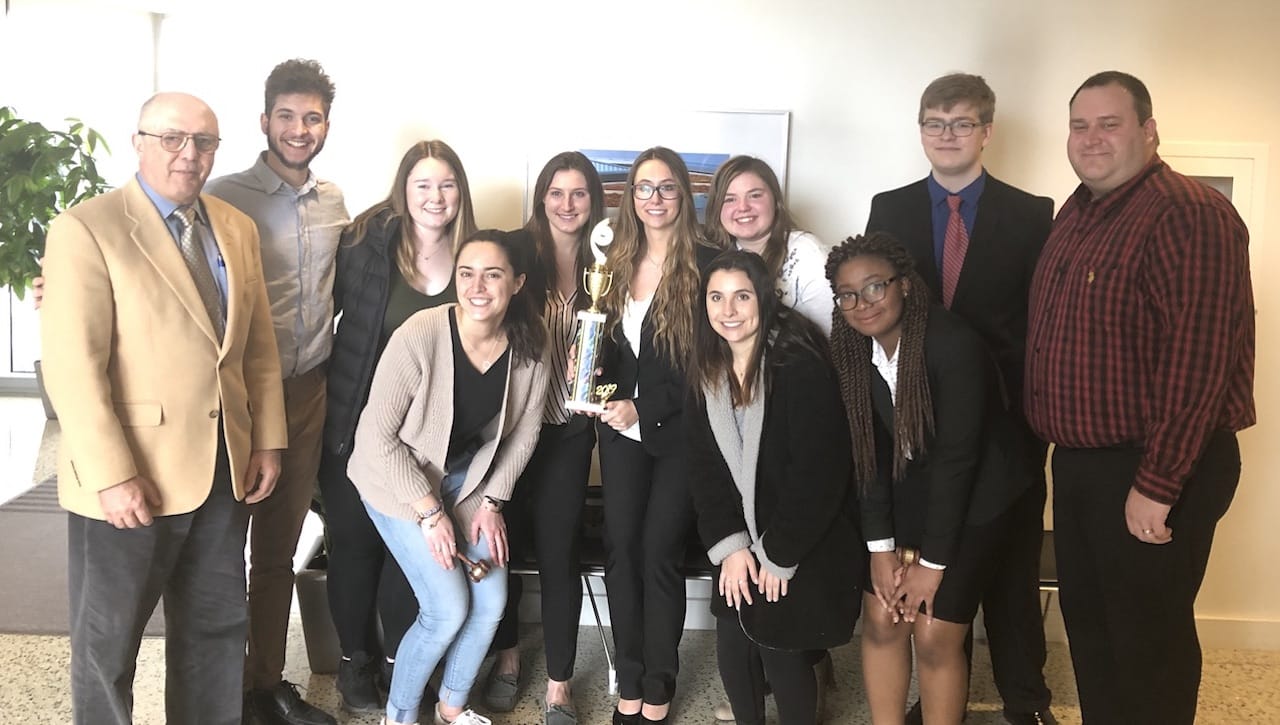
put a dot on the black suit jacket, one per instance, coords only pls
(802, 481)
(975, 465)
(660, 405)
(993, 291)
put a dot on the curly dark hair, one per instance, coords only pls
(851, 354)
(299, 75)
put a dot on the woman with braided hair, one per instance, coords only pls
(936, 463)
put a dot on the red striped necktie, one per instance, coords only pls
(954, 245)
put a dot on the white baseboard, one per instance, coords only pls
(1223, 633)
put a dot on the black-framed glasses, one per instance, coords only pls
(870, 294)
(173, 142)
(959, 127)
(644, 192)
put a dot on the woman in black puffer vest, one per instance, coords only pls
(395, 259)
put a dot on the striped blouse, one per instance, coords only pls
(561, 320)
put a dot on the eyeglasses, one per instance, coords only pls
(644, 192)
(173, 142)
(960, 127)
(870, 294)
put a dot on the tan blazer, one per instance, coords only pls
(131, 360)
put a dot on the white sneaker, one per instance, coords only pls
(467, 717)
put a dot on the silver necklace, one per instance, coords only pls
(486, 361)
(427, 258)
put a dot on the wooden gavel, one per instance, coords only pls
(476, 570)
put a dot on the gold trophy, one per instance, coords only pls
(585, 396)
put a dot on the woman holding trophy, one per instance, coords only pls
(654, 260)
(568, 202)
(434, 476)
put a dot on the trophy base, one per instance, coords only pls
(581, 407)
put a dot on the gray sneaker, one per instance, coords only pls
(560, 715)
(501, 691)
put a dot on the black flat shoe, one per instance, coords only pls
(621, 719)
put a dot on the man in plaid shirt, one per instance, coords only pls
(1140, 356)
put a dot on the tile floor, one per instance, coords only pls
(1240, 686)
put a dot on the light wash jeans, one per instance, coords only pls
(456, 618)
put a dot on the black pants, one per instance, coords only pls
(1129, 606)
(745, 667)
(546, 514)
(647, 514)
(1011, 606)
(364, 580)
(116, 578)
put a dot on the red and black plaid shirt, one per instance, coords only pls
(1141, 328)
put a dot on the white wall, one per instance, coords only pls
(492, 78)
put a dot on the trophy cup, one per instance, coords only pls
(584, 395)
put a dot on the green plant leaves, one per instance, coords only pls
(42, 173)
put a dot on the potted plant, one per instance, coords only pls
(42, 172)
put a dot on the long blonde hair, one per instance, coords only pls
(675, 299)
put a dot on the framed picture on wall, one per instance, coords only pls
(704, 139)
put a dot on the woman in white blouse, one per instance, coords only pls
(745, 211)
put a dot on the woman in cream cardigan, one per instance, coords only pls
(434, 476)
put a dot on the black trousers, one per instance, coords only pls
(745, 667)
(1011, 605)
(545, 514)
(365, 582)
(116, 578)
(647, 514)
(1129, 606)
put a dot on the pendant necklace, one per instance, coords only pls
(486, 361)
(427, 257)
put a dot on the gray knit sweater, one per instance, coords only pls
(403, 434)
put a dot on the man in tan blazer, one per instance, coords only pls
(165, 375)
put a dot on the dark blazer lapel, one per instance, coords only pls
(917, 233)
(152, 236)
(984, 242)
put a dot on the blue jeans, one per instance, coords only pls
(456, 618)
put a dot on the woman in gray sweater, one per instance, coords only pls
(452, 418)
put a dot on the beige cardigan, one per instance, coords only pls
(403, 435)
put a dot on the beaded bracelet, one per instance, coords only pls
(423, 516)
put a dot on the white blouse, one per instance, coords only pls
(632, 321)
